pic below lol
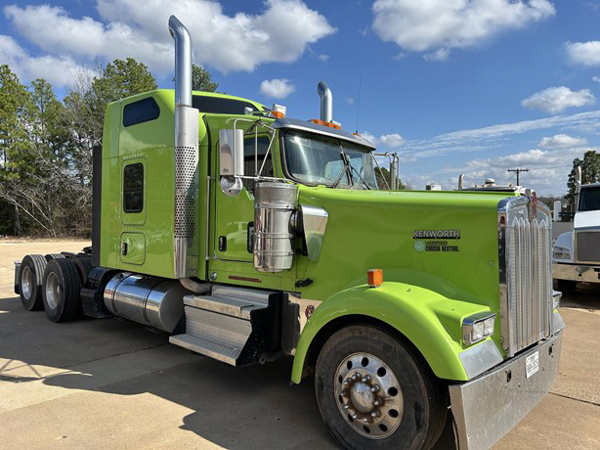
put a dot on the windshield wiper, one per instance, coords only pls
(360, 177)
(343, 172)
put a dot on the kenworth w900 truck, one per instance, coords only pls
(248, 236)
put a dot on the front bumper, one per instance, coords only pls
(576, 272)
(489, 406)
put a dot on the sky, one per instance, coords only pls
(453, 86)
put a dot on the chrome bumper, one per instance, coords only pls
(576, 272)
(489, 406)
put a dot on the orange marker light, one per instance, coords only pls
(278, 114)
(375, 277)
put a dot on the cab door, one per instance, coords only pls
(235, 215)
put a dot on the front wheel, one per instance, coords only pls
(374, 392)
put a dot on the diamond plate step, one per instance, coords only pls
(207, 348)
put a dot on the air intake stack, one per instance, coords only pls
(186, 155)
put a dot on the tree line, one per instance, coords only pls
(46, 144)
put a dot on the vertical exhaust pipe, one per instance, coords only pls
(186, 155)
(326, 101)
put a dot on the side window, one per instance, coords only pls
(250, 167)
(140, 111)
(133, 188)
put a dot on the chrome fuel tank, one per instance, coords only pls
(152, 301)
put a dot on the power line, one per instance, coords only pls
(518, 171)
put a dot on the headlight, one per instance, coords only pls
(477, 327)
(561, 253)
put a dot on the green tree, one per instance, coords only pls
(384, 179)
(202, 80)
(15, 158)
(590, 173)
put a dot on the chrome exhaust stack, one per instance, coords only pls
(186, 155)
(326, 114)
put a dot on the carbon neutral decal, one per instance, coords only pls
(443, 241)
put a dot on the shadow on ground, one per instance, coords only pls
(237, 408)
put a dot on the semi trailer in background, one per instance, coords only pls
(248, 236)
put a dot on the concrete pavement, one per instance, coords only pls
(114, 384)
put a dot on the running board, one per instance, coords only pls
(233, 325)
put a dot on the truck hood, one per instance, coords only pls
(586, 219)
(443, 241)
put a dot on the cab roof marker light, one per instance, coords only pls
(278, 111)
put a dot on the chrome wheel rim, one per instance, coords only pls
(53, 290)
(26, 282)
(368, 395)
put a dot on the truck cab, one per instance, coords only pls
(576, 255)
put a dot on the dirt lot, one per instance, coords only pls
(113, 384)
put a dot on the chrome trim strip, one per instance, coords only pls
(314, 223)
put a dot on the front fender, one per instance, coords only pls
(431, 321)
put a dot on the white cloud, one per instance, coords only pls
(441, 54)
(277, 88)
(279, 33)
(350, 101)
(390, 141)
(436, 25)
(555, 100)
(323, 58)
(596, 79)
(57, 70)
(585, 53)
(393, 140)
(561, 141)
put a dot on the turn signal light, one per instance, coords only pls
(375, 277)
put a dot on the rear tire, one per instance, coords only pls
(61, 292)
(566, 286)
(374, 391)
(51, 256)
(31, 273)
(84, 267)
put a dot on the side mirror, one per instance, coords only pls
(231, 153)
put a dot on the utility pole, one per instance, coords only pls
(518, 171)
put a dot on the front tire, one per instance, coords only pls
(61, 290)
(376, 392)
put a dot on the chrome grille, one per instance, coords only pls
(526, 294)
(588, 246)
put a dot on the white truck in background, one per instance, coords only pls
(576, 253)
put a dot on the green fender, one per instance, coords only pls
(431, 321)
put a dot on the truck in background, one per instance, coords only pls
(576, 253)
(251, 236)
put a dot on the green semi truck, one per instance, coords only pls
(248, 236)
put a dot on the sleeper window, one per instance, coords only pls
(133, 188)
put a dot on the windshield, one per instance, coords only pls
(314, 159)
(589, 199)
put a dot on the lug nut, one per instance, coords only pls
(347, 381)
(375, 388)
(366, 379)
(377, 402)
(345, 393)
(355, 416)
(365, 419)
(375, 413)
(346, 406)
(355, 377)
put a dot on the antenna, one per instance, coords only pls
(518, 171)
(358, 100)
